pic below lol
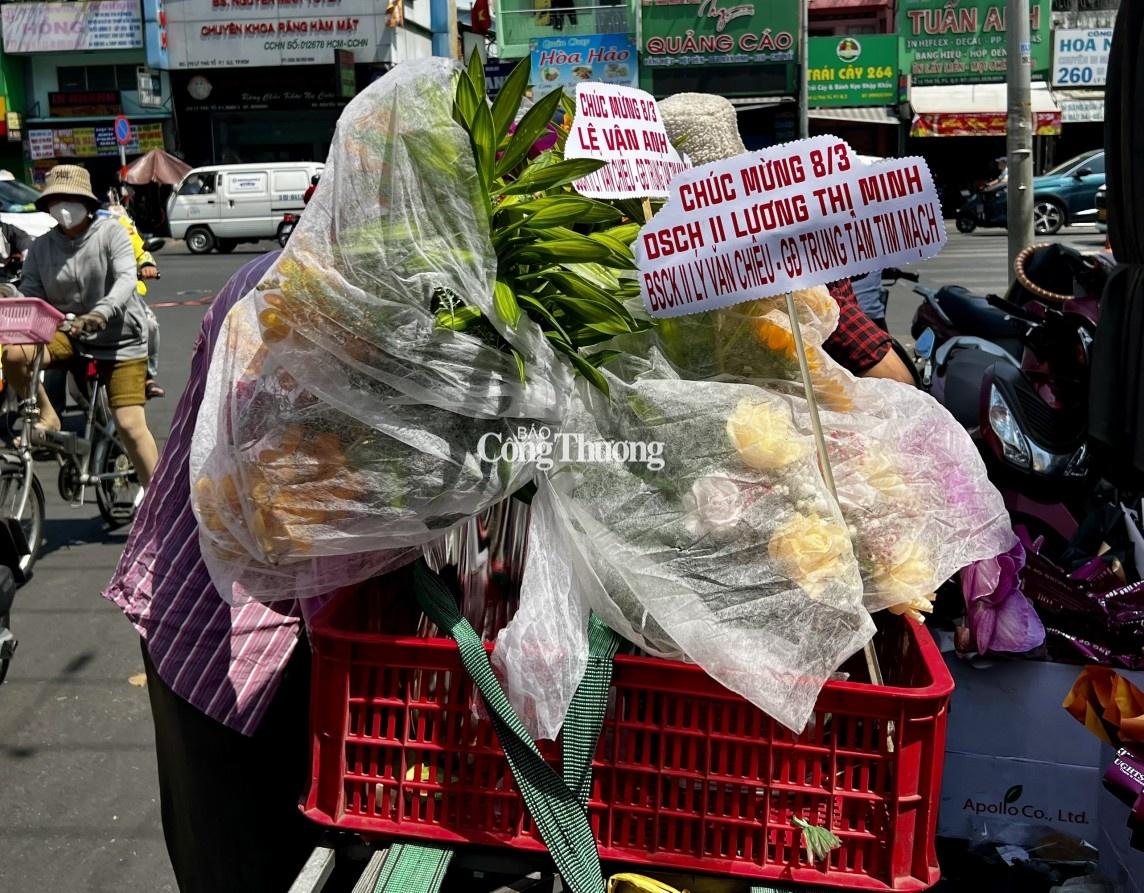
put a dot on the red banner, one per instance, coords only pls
(979, 124)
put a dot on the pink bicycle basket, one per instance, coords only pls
(28, 321)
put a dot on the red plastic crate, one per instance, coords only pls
(687, 776)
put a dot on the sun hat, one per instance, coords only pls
(706, 126)
(71, 180)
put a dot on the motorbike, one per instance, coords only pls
(1014, 371)
(986, 208)
(285, 228)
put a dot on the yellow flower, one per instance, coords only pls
(763, 435)
(812, 551)
(906, 575)
(883, 476)
(817, 300)
(775, 337)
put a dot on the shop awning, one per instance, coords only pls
(1080, 106)
(746, 103)
(874, 115)
(977, 110)
(847, 5)
(94, 119)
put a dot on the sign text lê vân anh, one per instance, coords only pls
(853, 71)
(706, 32)
(622, 126)
(789, 217)
(964, 42)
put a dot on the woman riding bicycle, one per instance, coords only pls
(87, 267)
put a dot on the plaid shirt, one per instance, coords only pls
(225, 660)
(858, 343)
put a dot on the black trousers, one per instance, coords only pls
(230, 802)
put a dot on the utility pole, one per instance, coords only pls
(803, 67)
(1019, 132)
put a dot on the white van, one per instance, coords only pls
(222, 205)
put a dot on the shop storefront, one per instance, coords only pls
(11, 113)
(265, 82)
(83, 66)
(521, 23)
(853, 91)
(749, 56)
(1080, 67)
(955, 58)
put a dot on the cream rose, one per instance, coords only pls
(906, 574)
(812, 551)
(714, 503)
(882, 475)
(763, 435)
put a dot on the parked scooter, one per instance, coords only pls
(1015, 371)
(285, 228)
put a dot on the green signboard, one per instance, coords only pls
(690, 32)
(853, 71)
(963, 41)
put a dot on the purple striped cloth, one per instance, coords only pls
(226, 661)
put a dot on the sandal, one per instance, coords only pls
(154, 390)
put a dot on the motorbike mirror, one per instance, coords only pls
(154, 244)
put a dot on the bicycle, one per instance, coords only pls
(96, 459)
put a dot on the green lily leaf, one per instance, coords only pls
(476, 71)
(552, 176)
(507, 103)
(560, 250)
(528, 131)
(504, 300)
(467, 101)
(484, 143)
(589, 371)
(521, 369)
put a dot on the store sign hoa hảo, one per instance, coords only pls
(564, 62)
(789, 217)
(709, 32)
(622, 126)
(852, 71)
(964, 41)
(69, 27)
(1080, 57)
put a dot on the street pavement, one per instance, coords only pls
(78, 793)
(79, 802)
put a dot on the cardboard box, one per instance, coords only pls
(1014, 757)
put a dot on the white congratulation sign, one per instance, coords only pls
(792, 216)
(622, 126)
(1080, 58)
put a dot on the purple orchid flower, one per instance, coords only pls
(1000, 617)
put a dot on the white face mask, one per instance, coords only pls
(69, 214)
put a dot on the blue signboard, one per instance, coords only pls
(568, 61)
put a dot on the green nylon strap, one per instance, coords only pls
(586, 711)
(555, 804)
(413, 868)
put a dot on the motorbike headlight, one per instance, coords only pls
(1004, 425)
